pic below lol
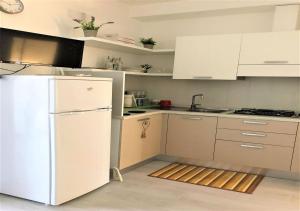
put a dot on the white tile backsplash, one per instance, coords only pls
(272, 93)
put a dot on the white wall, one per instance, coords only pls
(273, 93)
(166, 29)
(54, 17)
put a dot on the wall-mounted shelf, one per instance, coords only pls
(83, 70)
(149, 74)
(119, 46)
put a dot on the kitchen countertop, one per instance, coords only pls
(183, 111)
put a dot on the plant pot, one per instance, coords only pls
(148, 46)
(90, 33)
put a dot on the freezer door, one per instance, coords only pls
(80, 153)
(79, 95)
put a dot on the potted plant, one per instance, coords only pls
(146, 67)
(88, 27)
(148, 42)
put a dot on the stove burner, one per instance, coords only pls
(265, 112)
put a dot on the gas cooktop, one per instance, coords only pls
(266, 112)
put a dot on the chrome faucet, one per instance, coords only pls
(195, 106)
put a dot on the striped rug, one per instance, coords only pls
(210, 177)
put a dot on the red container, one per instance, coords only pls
(165, 104)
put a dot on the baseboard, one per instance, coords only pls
(128, 169)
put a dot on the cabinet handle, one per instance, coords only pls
(254, 122)
(254, 134)
(193, 118)
(202, 77)
(276, 62)
(251, 146)
(142, 120)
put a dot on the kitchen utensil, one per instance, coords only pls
(129, 101)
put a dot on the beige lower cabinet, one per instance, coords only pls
(254, 155)
(136, 146)
(258, 125)
(256, 143)
(191, 137)
(296, 156)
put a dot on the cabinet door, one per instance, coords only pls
(270, 48)
(151, 143)
(134, 147)
(296, 156)
(191, 137)
(207, 57)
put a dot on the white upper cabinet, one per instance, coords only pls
(207, 57)
(271, 54)
(272, 48)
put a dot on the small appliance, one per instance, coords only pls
(129, 101)
(165, 104)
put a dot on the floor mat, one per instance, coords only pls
(210, 177)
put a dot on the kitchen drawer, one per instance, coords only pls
(72, 95)
(257, 137)
(254, 155)
(258, 125)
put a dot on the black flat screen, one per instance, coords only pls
(37, 49)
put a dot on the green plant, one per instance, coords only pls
(148, 41)
(146, 67)
(89, 25)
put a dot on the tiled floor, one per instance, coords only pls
(140, 192)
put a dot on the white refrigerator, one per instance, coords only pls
(55, 136)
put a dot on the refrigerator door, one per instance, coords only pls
(80, 150)
(79, 95)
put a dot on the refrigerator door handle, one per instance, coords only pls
(103, 109)
(72, 113)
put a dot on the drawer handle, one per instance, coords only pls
(202, 77)
(276, 62)
(254, 134)
(142, 120)
(192, 118)
(251, 146)
(255, 123)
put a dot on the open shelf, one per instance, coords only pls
(149, 74)
(129, 72)
(119, 46)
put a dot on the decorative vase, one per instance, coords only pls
(90, 33)
(148, 46)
